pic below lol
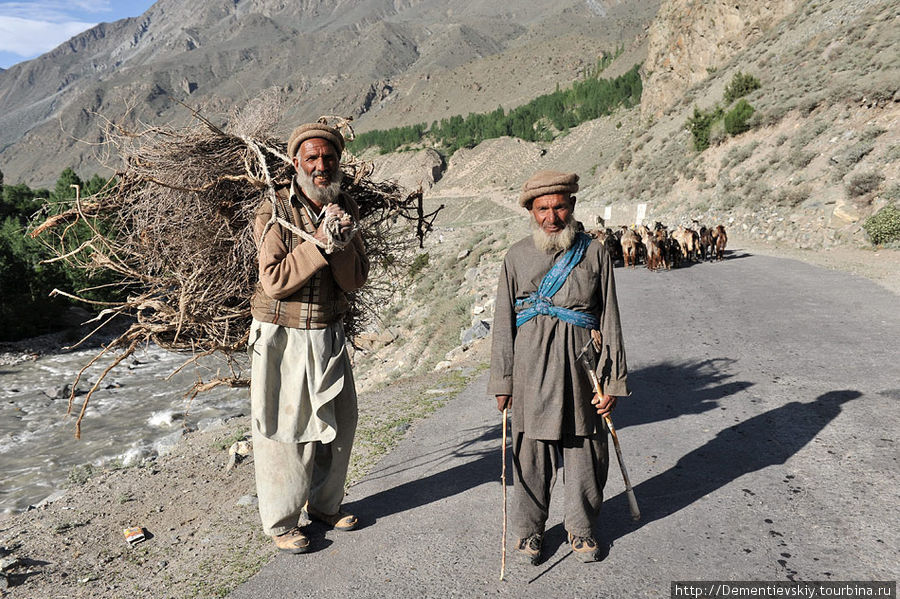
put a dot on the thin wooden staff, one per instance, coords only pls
(503, 484)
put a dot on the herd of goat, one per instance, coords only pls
(659, 248)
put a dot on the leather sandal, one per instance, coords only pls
(585, 548)
(339, 521)
(530, 548)
(293, 541)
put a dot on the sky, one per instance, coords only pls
(30, 28)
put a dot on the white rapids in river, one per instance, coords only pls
(136, 414)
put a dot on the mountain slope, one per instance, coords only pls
(325, 56)
(822, 152)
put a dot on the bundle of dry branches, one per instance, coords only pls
(175, 227)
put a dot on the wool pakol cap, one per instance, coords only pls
(311, 130)
(546, 182)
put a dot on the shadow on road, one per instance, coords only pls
(480, 466)
(662, 392)
(672, 389)
(764, 440)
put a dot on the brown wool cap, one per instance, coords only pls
(311, 130)
(546, 182)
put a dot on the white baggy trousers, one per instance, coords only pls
(303, 409)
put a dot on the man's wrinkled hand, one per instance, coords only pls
(604, 403)
(345, 222)
(504, 402)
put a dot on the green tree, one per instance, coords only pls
(25, 306)
(700, 124)
(736, 119)
(64, 190)
(741, 85)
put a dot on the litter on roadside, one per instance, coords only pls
(134, 535)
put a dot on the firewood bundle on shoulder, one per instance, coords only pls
(174, 228)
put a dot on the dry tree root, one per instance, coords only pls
(174, 228)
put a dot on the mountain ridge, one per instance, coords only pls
(215, 54)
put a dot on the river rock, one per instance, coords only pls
(55, 496)
(208, 424)
(168, 443)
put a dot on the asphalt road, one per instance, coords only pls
(761, 437)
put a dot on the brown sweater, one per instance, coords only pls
(299, 286)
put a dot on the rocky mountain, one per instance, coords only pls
(384, 62)
(820, 153)
(689, 39)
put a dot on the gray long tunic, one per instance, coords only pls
(536, 363)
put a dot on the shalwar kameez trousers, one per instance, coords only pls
(299, 465)
(554, 425)
(585, 463)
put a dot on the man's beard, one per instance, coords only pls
(320, 195)
(554, 242)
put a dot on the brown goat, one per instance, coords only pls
(655, 257)
(630, 246)
(721, 240)
(686, 241)
(706, 245)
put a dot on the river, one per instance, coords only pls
(135, 415)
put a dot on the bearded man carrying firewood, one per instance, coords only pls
(303, 397)
(556, 294)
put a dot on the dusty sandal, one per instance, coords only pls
(585, 548)
(338, 521)
(530, 548)
(293, 541)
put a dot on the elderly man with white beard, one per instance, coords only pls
(302, 396)
(555, 293)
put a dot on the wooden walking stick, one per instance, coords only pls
(588, 359)
(503, 484)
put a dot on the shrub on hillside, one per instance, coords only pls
(801, 158)
(857, 152)
(420, 262)
(717, 133)
(792, 196)
(862, 183)
(699, 125)
(892, 154)
(741, 85)
(884, 226)
(739, 154)
(736, 118)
